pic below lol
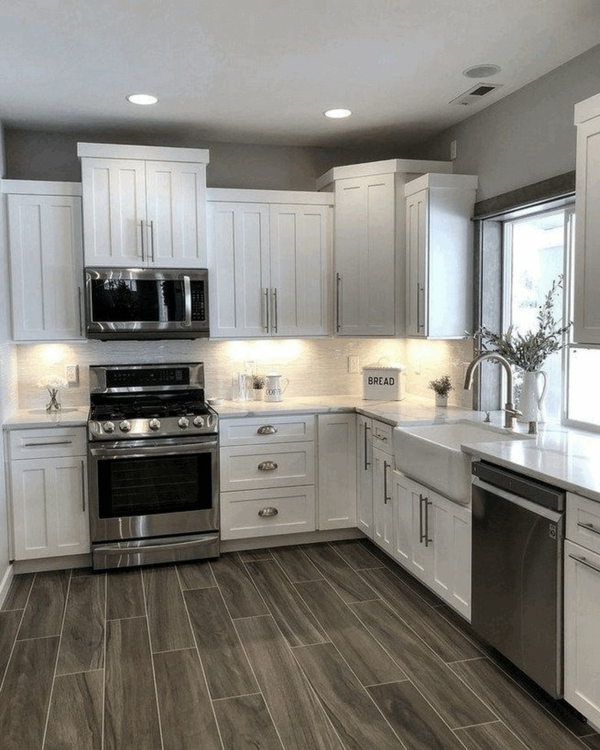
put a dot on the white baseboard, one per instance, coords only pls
(285, 540)
(5, 583)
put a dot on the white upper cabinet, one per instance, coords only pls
(586, 301)
(439, 256)
(46, 259)
(269, 262)
(143, 206)
(369, 242)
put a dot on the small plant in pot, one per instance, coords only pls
(258, 387)
(441, 387)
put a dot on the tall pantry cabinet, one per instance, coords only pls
(369, 240)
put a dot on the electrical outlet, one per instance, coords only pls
(72, 374)
(353, 363)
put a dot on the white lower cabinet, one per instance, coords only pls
(582, 607)
(364, 475)
(432, 540)
(382, 499)
(337, 470)
(48, 492)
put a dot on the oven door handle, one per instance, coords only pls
(152, 450)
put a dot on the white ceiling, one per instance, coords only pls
(263, 71)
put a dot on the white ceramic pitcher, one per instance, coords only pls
(275, 387)
(532, 401)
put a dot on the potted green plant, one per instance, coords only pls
(258, 387)
(528, 351)
(441, 387)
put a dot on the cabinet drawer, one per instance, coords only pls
(258, 431)
(252, 467)
(382, 436)
(241, 515)
(583, 521)
(47, 442)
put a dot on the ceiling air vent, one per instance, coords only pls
(476, 93)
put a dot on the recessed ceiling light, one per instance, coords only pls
(337, 114)
(481, 71)
(143, 99)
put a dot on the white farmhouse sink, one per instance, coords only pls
(431, 454)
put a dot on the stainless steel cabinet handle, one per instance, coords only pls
(428, 541)
(152, 240)
(268, 512)
(142, 233)
(267, 466)
(265, 293)
(83, 486)
(79, 295)
(421, 312)
(386, 466)
(367, 462)
(338, 317)
(422, 499)
(585, 562)
(589, 527)
(54, 442)
(275, 311)
(266, 429)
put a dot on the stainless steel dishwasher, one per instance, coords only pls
(517, 555)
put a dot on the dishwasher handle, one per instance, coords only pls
(510, 497)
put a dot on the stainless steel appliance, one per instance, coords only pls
(146, 303)
(517, 580)
(153, 465)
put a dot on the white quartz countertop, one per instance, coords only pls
(31, 418)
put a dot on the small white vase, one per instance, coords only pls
(441, 401)
(532, 399)
(258, 394)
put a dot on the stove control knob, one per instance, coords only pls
(108, 427)
(183, 422)
(198, 422)
(210, 422)
(125, 425)
(154, 424)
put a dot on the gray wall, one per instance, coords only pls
(527, 137)
(34, 155)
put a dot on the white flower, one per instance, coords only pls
(54, 382)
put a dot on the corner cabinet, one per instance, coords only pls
(336, 434)
(439, 256)
(46, 259)
(48, 483)
(143, 206)
(586, 302)
(269, 262)
(369, 242)
(364, 474)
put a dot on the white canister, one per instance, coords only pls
(275, 387)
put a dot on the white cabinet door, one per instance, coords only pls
(46, 264)
(299, 269)
(382, 500)
(586, 305)
(364, 469)
(402, 504)
(337, 471)
(365, 255)
(439, 250)
(451, 571)
(114, 209)
(50, 516)
(239, 269)
(582, 625)
(423, 540)
(176, 214)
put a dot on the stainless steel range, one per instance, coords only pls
(153, 465)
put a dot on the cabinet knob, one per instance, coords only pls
(266, 429)
(268, 512)
(267, 466)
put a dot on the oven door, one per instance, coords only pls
(140, 489)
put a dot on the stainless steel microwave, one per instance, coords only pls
(146, 303)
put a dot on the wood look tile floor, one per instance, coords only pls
(302, 648)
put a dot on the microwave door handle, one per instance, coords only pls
(187, 291)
